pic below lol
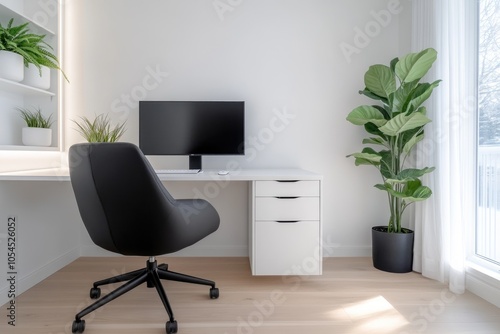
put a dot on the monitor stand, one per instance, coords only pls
(195, 161)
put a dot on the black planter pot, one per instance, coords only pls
(392, 252)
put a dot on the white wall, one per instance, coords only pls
(278, 55)
(45, 233)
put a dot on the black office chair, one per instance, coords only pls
(127, 210)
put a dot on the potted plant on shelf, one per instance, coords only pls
(37, 131)
(37, 54)
(396, 124)
(99, 130)
(11, 57)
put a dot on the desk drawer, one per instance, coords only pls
(287, 188)
(299, 208)
(284, 248)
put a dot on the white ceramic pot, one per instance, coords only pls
(37, 136)
(32, 77)
(11, 66)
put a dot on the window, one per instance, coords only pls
(487, 243)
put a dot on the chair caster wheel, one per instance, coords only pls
(95, 293)
(214, 293)
(78, 326)
(171, 327)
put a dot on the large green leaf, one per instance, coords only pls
(419, 194)
(415, 65)
(422, 93)
(381, 187)
(366, 159)
(367, 156)
(375, 141)
(403, 122)
(416, 172)
(373, 96)
(380, 80)
(373, 130)
(410, 174)
(384, 111)
(386, 168)
(393, 64)
(414, 191)
(366, 114)
(400, 99)
(418, 136)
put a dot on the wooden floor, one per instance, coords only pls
(350, 297)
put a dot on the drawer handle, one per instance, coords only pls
(287, 221)
(287, 197)
(287, 180)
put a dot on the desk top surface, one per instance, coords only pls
(62, 174)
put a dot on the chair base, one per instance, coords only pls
(152, 276)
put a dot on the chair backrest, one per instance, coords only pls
(125, 207)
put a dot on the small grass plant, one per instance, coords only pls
(99, 130)
(35, 119)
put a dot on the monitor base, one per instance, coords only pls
(195, 161)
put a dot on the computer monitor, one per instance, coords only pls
(192, 128)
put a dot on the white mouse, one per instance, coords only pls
(223, 172)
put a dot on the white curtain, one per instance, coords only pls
(442, 222)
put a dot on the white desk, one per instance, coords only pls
(285, 214)
(62, 174)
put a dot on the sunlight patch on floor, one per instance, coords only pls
(368, 307)
(375, 314)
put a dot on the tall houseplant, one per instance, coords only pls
(396, 124)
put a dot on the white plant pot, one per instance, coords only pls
(32, 77)
(37, 136)
(11, 66)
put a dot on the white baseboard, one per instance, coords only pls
(94, 251)
(25, 282)
(238, 251)
(333, 250)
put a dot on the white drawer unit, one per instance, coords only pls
(285, 227)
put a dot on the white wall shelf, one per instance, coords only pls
(18, 88)
(7, 13)
(27, 148)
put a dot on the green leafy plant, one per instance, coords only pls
(397, 125)
(32, 47)
(35, 119)
(99, 130)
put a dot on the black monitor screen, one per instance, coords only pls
(191, 127)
